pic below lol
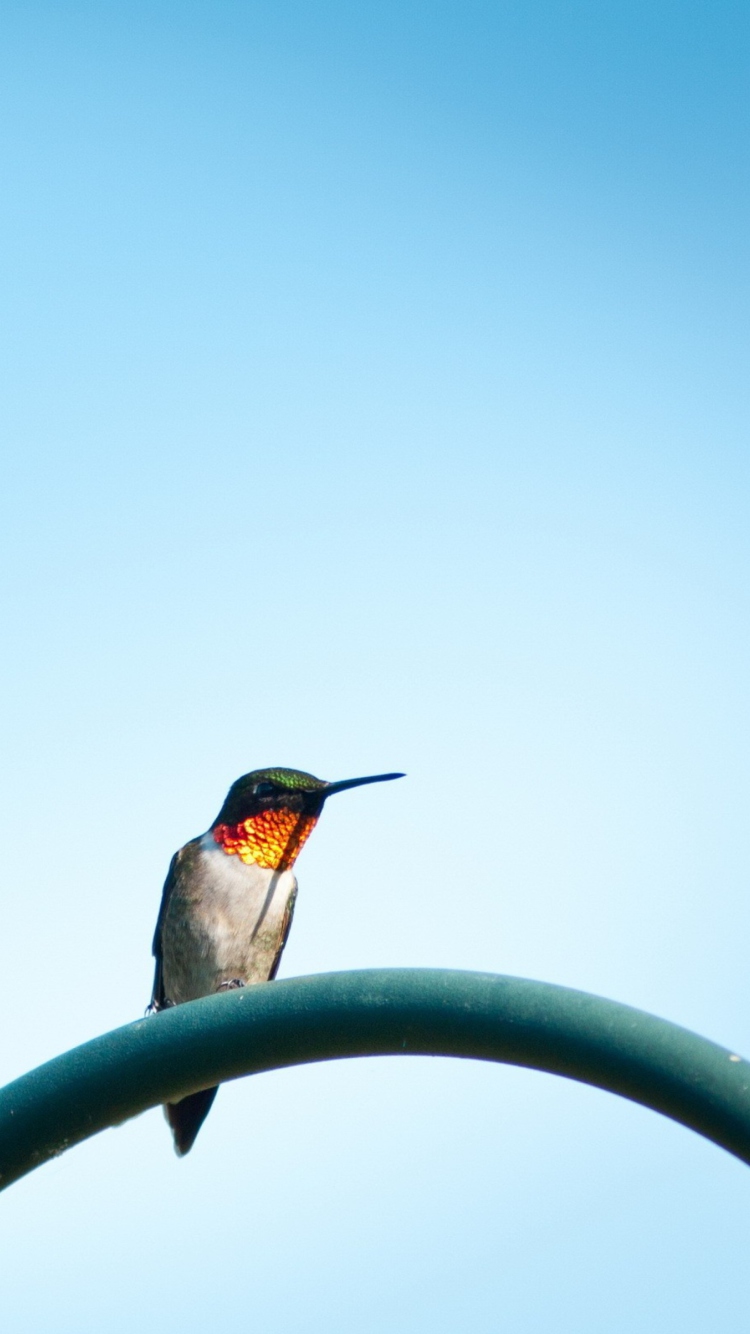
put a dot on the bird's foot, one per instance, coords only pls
(232, 985)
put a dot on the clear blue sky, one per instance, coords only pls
(375, 397)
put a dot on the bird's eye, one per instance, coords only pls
(264, 789)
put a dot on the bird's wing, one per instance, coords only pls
(286, 927)
(158, 999)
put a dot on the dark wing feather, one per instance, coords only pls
(285, 929)
(158, 1000)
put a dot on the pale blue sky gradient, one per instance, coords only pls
(375, 397)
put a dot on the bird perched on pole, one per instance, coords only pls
(228, 901)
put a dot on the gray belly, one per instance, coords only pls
(224, 920)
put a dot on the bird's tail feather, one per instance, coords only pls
(187, 1116)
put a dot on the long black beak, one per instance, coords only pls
(330, 788)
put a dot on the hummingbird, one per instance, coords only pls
(228, 900)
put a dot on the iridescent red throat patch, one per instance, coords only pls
(273, 838)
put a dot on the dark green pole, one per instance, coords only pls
(383, 1012)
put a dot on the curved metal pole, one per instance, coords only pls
(383, 1012)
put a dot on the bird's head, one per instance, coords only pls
(269, 814)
